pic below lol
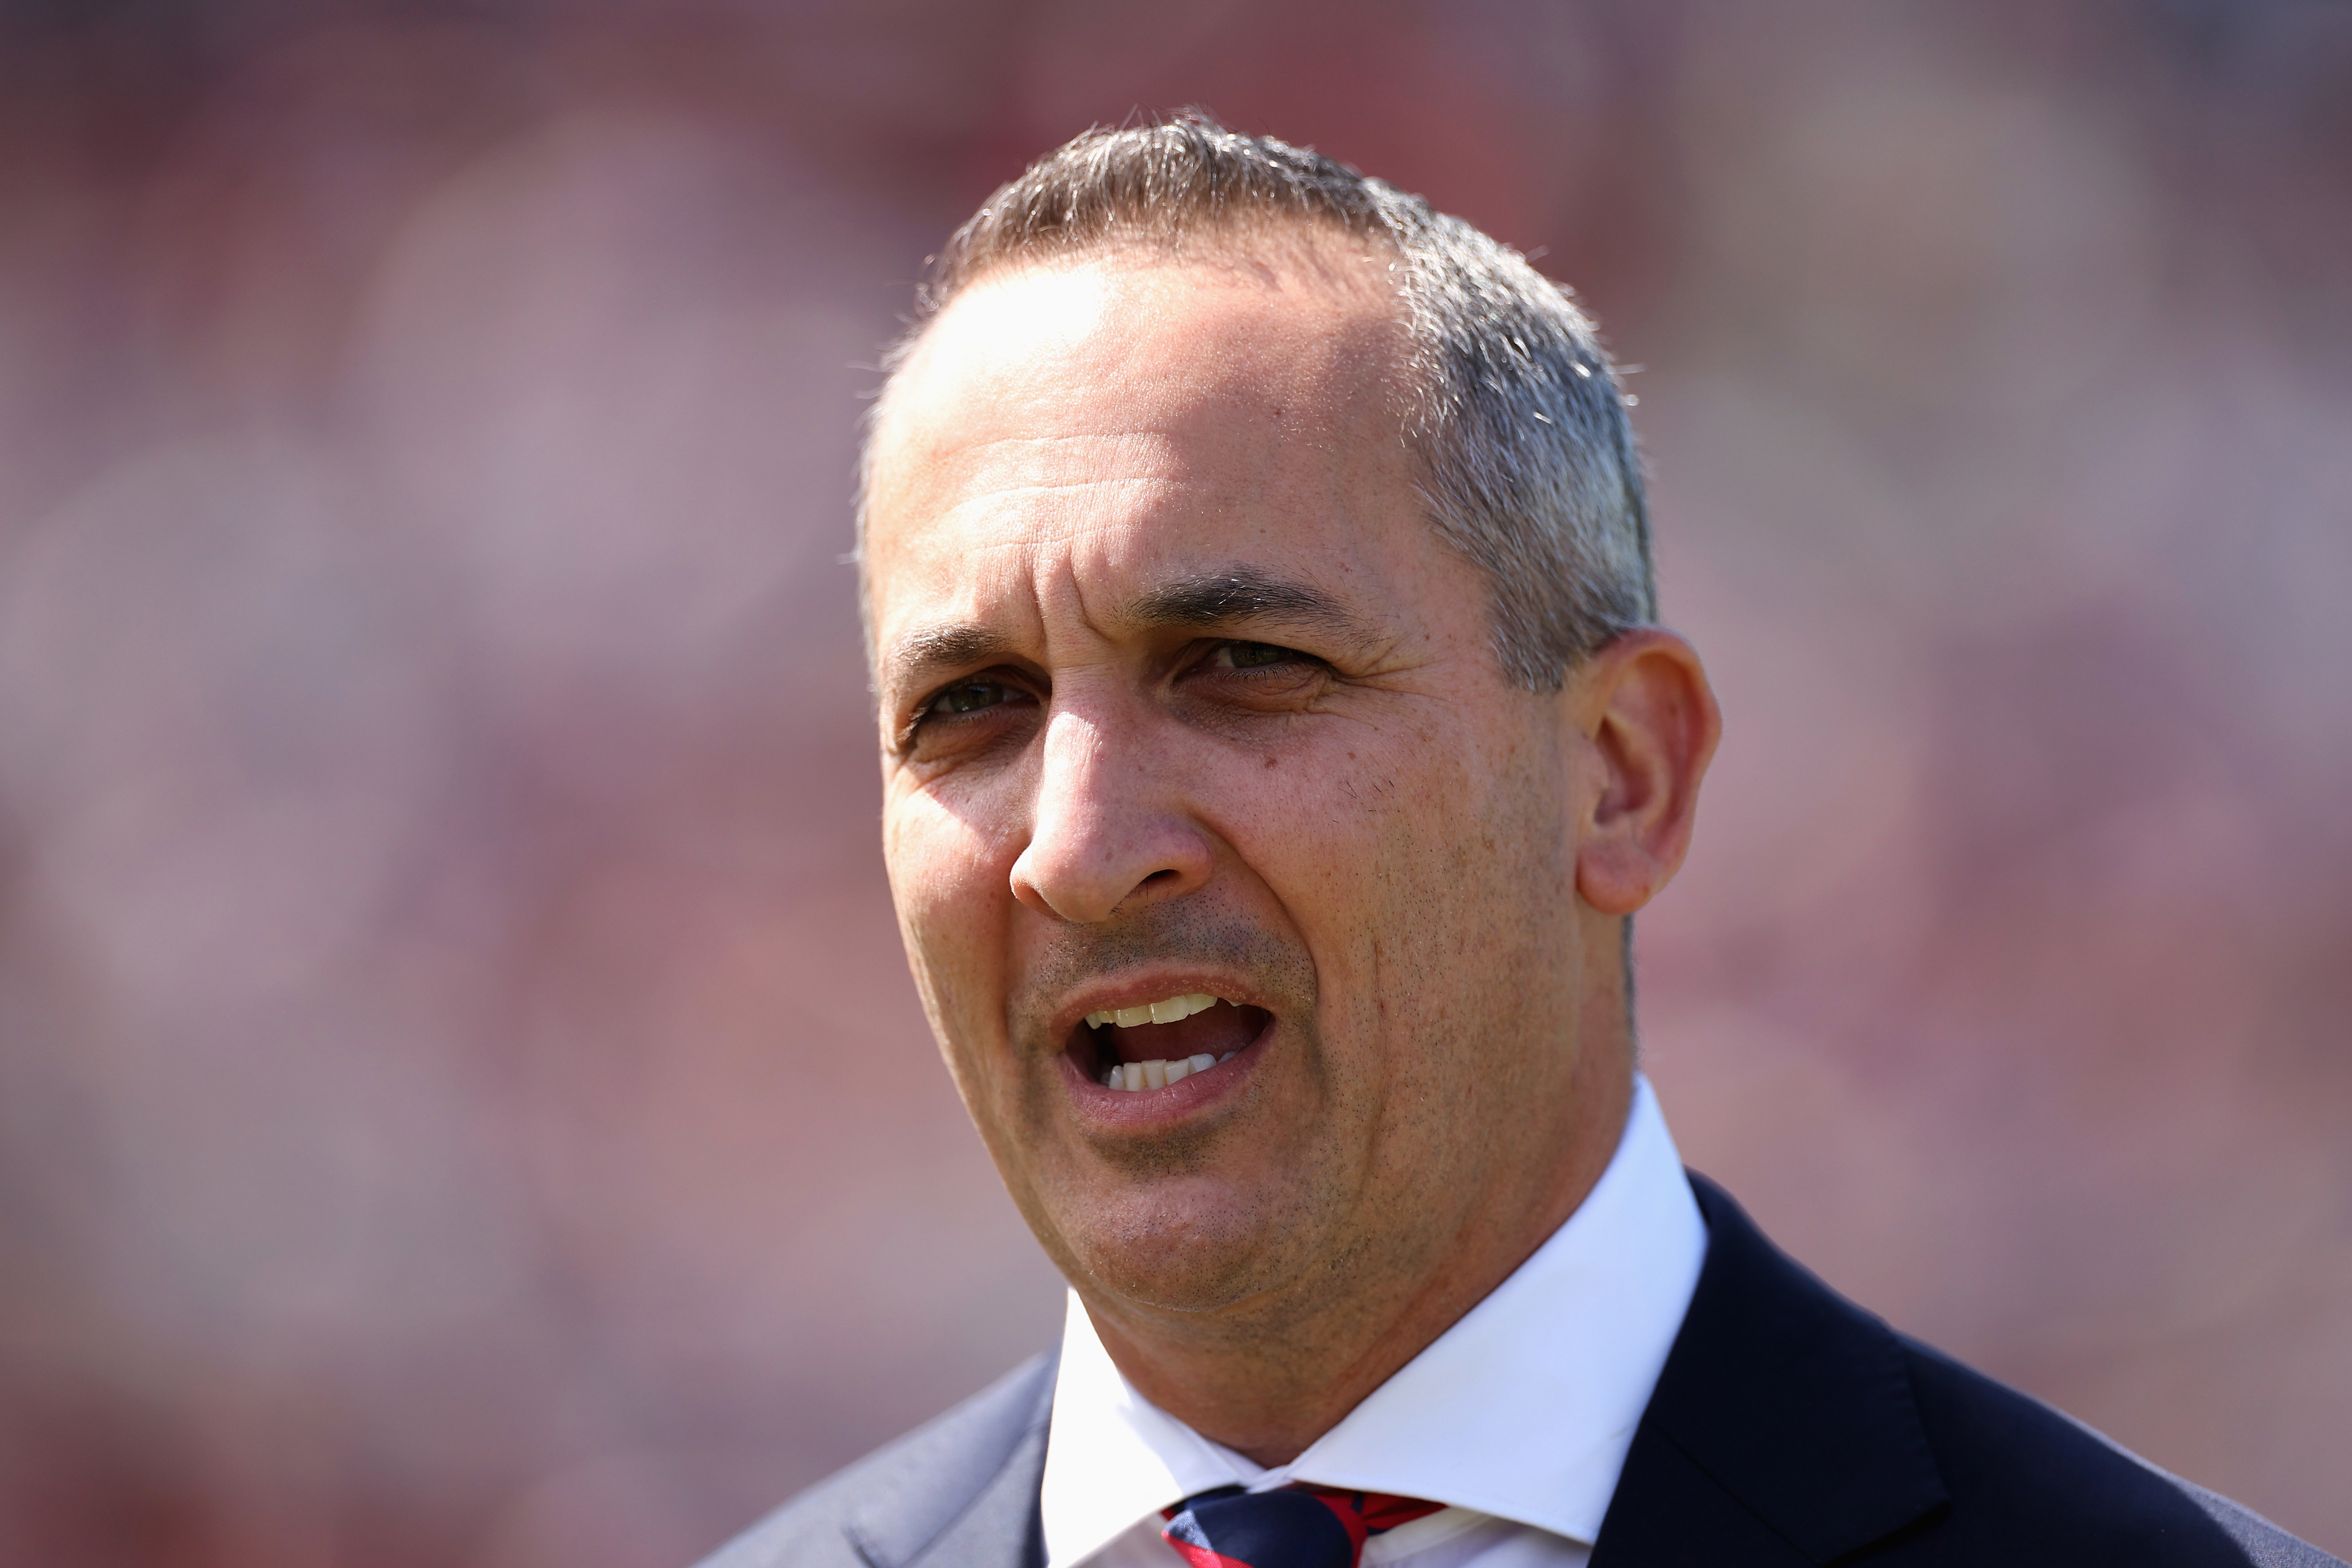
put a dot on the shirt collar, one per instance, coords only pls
(1566, 1349)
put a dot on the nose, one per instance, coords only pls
(1107, 828)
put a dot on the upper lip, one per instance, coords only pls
(1133, 990)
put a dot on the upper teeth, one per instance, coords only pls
(1166, 1011)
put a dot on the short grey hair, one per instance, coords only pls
(1529, 463)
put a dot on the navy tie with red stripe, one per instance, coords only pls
(1299, 1526)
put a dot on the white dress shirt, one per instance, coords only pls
(1518, 1417)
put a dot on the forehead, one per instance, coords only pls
(1116, 421)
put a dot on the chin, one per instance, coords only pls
(1183, 1250)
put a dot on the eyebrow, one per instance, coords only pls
(1201, 600)
(1241, 593)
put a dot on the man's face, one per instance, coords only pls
(1181, 697)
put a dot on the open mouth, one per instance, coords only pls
(1153, 1044)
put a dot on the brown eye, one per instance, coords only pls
(1254, 655)
(972, 696)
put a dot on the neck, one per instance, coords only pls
(1267, 1376)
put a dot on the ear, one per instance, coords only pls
(1646, 723)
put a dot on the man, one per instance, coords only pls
(1277, 743)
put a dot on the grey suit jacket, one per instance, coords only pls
(1789, 1428)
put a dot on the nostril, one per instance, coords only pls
(1159, 877)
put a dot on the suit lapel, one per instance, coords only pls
(1783, 1430)
(985, 1515)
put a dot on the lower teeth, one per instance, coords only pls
(1159, 1074)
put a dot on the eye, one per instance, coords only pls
(978, 711)
(1252, 656)
(969, 696)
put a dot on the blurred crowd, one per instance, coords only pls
(461, 1101)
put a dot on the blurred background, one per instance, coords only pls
(461, 1103)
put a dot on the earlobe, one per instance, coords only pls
(1647, 723)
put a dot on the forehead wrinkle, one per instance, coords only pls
(928, 646)
(922, 649)
(1147, 487)
(1142, 452)
(1152, 465)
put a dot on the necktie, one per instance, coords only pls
(1299, 1526)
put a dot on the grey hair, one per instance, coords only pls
(1528, 464)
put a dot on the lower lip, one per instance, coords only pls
(1136, 1110)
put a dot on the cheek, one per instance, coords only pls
(1343, 845)
(946, 854)
(1365, 825)
(948, 881)
(1432, 879)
